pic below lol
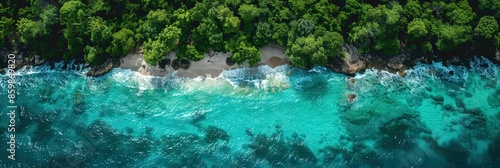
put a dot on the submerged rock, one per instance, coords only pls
(213, 134)
(78, 103)
(494, 147)
(280, 151)
(460, 103)
(454, 152)
(438, 99)
(400, 132)
(361, 113)
(448, 107)
(494, 99)
(352, 80)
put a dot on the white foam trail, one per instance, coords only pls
(263, 77)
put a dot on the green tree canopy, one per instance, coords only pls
(155, 50)
(460, 12)
(100, 33)
(308, 52)
(155, 22)
(230, 23)
(416, 28)
(73, 15)
(490, 7)
(487, 27)
(263, 35)
(123, 42)
(248, 12)
(246, 52)
(190, 52)
(452, 36)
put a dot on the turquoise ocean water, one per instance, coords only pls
(436, 116)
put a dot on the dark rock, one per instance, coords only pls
(212, 134)
(279, 151)
(494, 99)
(183, 150)
(2, 71)
(352, 80)
(428, 89)
(141, 146)
(229, 61)
(351, 97)
(78, 103)
(460, 103)
(249, 132)
(438, 99)
(140, 114)
(476, 123)
(402, 73)
(129, 130)
(452, 94)
(349, 65)
(168, 61)
(162, 64)
(494, 147)
(490, 84)
(185, 64)
(448, 107)
(175, 64)
(400, 132)
(473, 111)
(104, 68)
(455, 153)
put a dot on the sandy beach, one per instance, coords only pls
(211, 66)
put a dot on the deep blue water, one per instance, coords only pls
(435, 116)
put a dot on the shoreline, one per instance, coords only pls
(211, 65)
(272, 55)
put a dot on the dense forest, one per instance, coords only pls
(312, 30)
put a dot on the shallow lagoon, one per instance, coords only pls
(435, 116)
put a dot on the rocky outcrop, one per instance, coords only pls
(104, 68)
(175, 64)
(185, 64)
(351, 97)
(352, 62)
(355, 62)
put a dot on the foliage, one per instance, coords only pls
(123, 42)
(157, 49)
(487, 27)
(452, 36)
(312, 30)
(246, 52)
(417, 29)
(309, 51)
(190, 52)
(248, 12)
